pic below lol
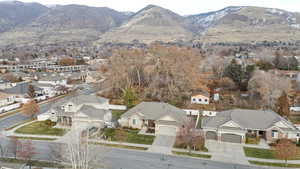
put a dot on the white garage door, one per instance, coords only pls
(167, 130)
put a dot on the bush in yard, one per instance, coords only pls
(286, 150)
(49, 123)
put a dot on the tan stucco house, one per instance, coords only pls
(154, 117)
(234, 125)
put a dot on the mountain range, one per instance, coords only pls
(33, 23)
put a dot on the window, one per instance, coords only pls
(134, 121)
(194, 99)
(200, 100)
(205, 100)
(274, 134)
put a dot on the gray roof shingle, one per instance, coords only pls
(247, 119)
(156, 110)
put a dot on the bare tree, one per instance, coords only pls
(26, 151)
(31, 91)
(269, 87)
(30, 108)
(286, 150)
(76, 151)
(188, 133)
(13, 146)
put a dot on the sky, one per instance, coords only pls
(183, 7)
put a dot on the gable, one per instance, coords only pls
(167, 118)
(200, 97)
(231, 124)
(281, 124)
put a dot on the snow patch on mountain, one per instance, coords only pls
(208, 19)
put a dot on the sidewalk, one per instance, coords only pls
(119, 143)
(274, 160)
(143, 145)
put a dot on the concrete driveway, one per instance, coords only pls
(164, 140)
(226, 152)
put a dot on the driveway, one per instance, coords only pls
(226, 152)
(164, 140)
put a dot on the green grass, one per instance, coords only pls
(40, 128)
(262, 153)
(192, 154)
(33, 162)
(116, 114)
(36, 138)
(259, 153)
(275, 164)
(132, 136)
(122, 146)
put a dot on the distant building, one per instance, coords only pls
(200, 99)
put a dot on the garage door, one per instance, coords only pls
(211, 135)
(167, 130)
(232, 138)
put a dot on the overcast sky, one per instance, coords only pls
(182, 7)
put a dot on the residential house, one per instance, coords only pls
(157, 117)
(84, 111)
(20, 90)
(47, 90)
(237, 124)
(8, 102)
(4, 84)
(53, 80)
(7, 99)
(203, 98)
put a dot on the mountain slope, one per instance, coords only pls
(152, 23)
(14, 13)
(66, 23)
(249, 24)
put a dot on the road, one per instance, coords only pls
(19, 118)
(113, 158)
(118, 158)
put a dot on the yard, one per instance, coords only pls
(41, 128)
(262, 153)
(116, 114)
(128, 135)
(274, 164)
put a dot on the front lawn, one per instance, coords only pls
(128, 135)
(41, 128)
(259, 153)
(192, 154)
(262, 153)
(274, 164)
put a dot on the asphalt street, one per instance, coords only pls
(114, 158)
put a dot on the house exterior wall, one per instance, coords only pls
(292, 135)
(209, 113)
(191, 112)
(199, 99)
(8, 100)
(135, 122)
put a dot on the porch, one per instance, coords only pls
(64, 122)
